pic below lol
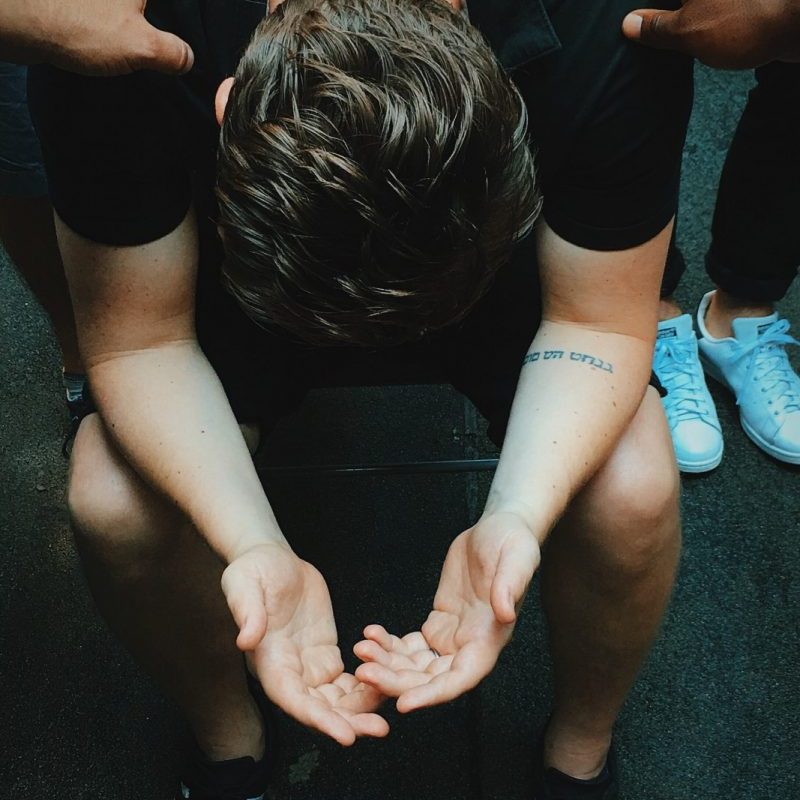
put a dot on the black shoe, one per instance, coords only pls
(237, 779)
(551, 784)
(78, 407)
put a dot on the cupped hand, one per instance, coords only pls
(484, 579)
(286, 628)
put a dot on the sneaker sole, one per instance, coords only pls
(781, 455)
(777, 453)
(698, 467)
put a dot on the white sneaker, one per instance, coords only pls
(754, 365)
(691, 414)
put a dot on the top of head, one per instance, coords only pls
(373, 170)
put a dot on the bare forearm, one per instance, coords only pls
(168, 412)
(578, 391)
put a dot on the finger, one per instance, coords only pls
(661, 29)
(369, 725)
(347, 682)
(421, 660)
(368, 650)
(379, 634)
(329, 692)
(440, 665)
(246, 602)
(357, 696)
(290, 694)
(319, 716)
(389, 682)
(158, 50)
(441, 689)
(415, 642)
(515, 570)
(363, 700)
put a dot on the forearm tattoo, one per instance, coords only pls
(564, 355)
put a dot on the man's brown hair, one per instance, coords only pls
(374, 171)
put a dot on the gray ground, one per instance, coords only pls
(715, 715)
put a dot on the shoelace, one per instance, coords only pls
(770, 367)
(679, 370)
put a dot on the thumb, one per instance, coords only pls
(246, 602)
(661, 29)
(159, 51)
(515, 569)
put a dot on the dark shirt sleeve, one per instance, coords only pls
(114, 168)
(608, 119)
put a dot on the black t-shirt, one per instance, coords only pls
(125, 156)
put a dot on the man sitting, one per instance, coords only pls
(374, 180)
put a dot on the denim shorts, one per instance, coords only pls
(21, 170)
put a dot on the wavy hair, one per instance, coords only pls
(374, 170)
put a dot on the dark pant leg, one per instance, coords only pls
(755, 249)
(21, 170)
(674, 268)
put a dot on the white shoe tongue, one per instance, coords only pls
(678, 328)
(748, 329)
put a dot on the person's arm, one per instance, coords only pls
(166, 410)
(583, 379)
(94, 37)
(727, 34)
(158, 395)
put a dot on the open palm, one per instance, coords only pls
(484, 579)
(287, 630)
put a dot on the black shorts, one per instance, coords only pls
(266, 374)
(127, 156)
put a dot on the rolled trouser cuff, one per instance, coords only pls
(737, 282)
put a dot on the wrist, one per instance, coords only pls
(538, 517)
(233, 535)
(251, 544)
(265, 536)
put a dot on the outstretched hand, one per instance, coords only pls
(286, 627)
(485, 577)
(94, 37)
(728, 34)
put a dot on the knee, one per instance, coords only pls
(114, 515)
(642, 490)
(632, 513)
